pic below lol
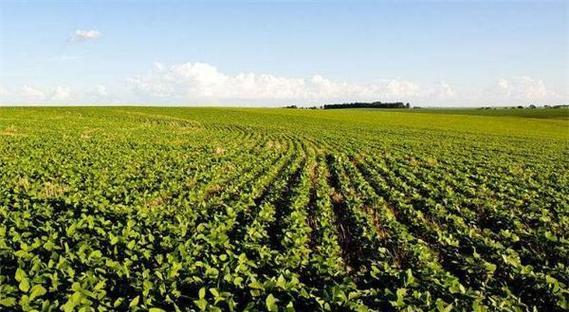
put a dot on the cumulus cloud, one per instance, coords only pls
(85, 35)
(30, 93)
(101, 91)
(4, 92)
(202, 83)
(523, 87)
(398, 88)
(60, 93)
(205, 81)
(158, 66)
(523, 90)
(442, 90)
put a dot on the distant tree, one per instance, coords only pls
(366, 105)
(532, 106)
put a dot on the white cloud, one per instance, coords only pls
(399, 88)
(64, 58)
(61, 93)
(204, 81)
(35, 95)
(4, 92)
(523, 88)
(101, 91)
(159, 66)
(29, 93)
(84, 35)
(443, 90)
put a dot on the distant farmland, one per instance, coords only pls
(273, 209)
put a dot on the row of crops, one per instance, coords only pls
(140, 209)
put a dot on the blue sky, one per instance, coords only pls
(451, 53)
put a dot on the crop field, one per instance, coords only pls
(183, 209)
(507, 112)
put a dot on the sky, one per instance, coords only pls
(274, 53)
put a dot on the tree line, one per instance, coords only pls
(368, 105)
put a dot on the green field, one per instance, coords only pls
(279, 209)
(559, 113)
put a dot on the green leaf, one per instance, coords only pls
(340, 295)
(8, 302)
(237, 281)
(271, 303)
(114, 239)
(401, 294)
(281, 282)
(24, 285)
(490, 267)
(290, 307)
(256, 285)
(37, 291)
(134, 302)
(362, 308)
(100, 285)
(69, 306)
(214, 292)
(20, 274)
(155, 310)
(76, 287)
(25, 302)
(146, 286)
(96, 254)
(71, 230)
(477, 306)
(201, 303)
(131, 244)
(201, 293)
(76, 298)
(118, 302)
(443, 307)
(410, 281)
